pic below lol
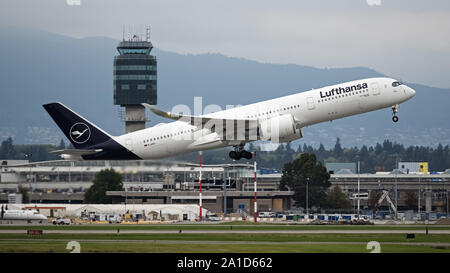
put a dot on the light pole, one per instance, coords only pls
(359, 200)
(396, 199)
(447, 203)
(255, 218)
(396, 187)
(225, 195)
(200, 180)
(126, 197)
(418, 205)
(307, 208)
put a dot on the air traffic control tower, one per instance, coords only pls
(134, 80)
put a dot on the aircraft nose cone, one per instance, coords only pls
(409, 92)
(412, 92)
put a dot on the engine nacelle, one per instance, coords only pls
(279, 129)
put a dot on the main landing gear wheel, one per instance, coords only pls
(394, 113)
(239, 153)
(234, 155)
(247, 155)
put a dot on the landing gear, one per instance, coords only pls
(234, 155)
(394, 113)
(239, 153)
(247, 155)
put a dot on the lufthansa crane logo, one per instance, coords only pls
(80, 133)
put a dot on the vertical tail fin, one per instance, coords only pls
(80, 132)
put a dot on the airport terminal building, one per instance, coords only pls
(145, 182)
(225, 185)
(418, 192)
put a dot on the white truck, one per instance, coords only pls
(62, 221)
(267, 214)
(114, 219)
(213, 217)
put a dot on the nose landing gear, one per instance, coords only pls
(394, 113)
(239, 153)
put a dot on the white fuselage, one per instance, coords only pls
(307, 108)
(23, 215)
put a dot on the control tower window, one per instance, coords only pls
(133, 50)
(395, 84)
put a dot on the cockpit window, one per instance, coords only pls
(395, 84)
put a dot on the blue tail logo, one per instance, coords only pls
(85, 135)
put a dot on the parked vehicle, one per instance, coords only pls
(114, 219)
(62, 221)
(213, 217)
(267, 214)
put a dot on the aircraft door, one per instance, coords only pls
(375, 89)
(129, 144)
(310, 103)
(364, 100)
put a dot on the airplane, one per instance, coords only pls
(277, 120)
(29, 215)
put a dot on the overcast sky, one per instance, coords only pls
(405, 39)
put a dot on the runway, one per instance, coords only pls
(124, 231)
(176, 242)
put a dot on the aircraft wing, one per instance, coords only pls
(226, 128)
(194, 120)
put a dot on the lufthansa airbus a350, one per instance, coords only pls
(277, 120)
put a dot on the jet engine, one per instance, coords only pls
(279, 129)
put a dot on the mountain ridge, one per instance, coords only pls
(39, 67)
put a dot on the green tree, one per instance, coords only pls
(24, 192)
(365, 159)
(321, 153)
(61, 145)
(8, 150)
(305, 169)
(336, 199)
(338, 148)
(289, 153)
(105, 180)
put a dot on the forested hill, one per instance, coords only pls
(39, 67)
(382, 155)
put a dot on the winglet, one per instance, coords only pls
(161, 112)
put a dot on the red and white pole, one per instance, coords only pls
(255, 203)
(200, 179)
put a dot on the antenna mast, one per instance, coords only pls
(147, 36)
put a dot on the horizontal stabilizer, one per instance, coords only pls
(76, 152)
